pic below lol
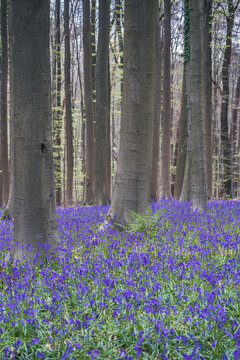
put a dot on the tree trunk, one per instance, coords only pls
(57, 121)
(102, 138)
(4, 132)
(226, 146)
(0, 137)
(88, 94)
(157, 109)
(207, 90)
(166, 160)
(235, 137)
(93, 49)
(34, 194)
(68, 107)
(182, 140)
(132, 184)
(182, 181)
(198, 193)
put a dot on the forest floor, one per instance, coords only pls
(168, 287)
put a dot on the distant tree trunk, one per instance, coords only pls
(88, 93)
(182, 140)
(235, 136)
(57, 122)
(226, 146)
(102, 138)
(118, 10)
(207, 90)
(132, 184)
(198, 193)
(4, 135)
(93, 47)
(34, 194)
(182, 179)
(82, 151)
(157, 109)
(0, 136)
(68, 107)
(166, 160)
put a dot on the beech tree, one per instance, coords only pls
(34, 193)
(102, 126)
(182, 181)
(57, 116)
(198, 179)
(4, 82)
(154, 187)
(166, 122)
(132, 184)
(68, 107)
(88, 95)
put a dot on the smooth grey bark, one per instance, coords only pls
(183, 175)
(154, 188)
(68, 106)
(132, 184)
(235, 137)
(198, 192)
(34, 191)
(93, 50)
(102, 126)
(225, 138)
(4, 126)
(0, 137)
(166, 117)
(57, 113)
(207, 90)
(83, 120)
(88, 95)
(182, 140)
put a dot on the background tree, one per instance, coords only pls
(166, 121)
(225, 139)
(68, 107)
(4, 83)
(34, 195)
(132, 184)
(207, 90)
(88, 94)
(57, 113)
(182, 180)
(102, 126)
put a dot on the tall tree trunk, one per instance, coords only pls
(93, 47)
(0, 136)
(118, 11)
(68, 107)
(102, 138)
(198, 193)
(4, 132)
(34, 193)
(132, 184)
(57, 121)
(207, 90)
(182, 180)
(226, 146)
(82, 147)
(166, 160)
(235, 136)
(88, 93)
(157, 109)
(182, 140)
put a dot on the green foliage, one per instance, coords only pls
(5, 215)
(145, 222)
